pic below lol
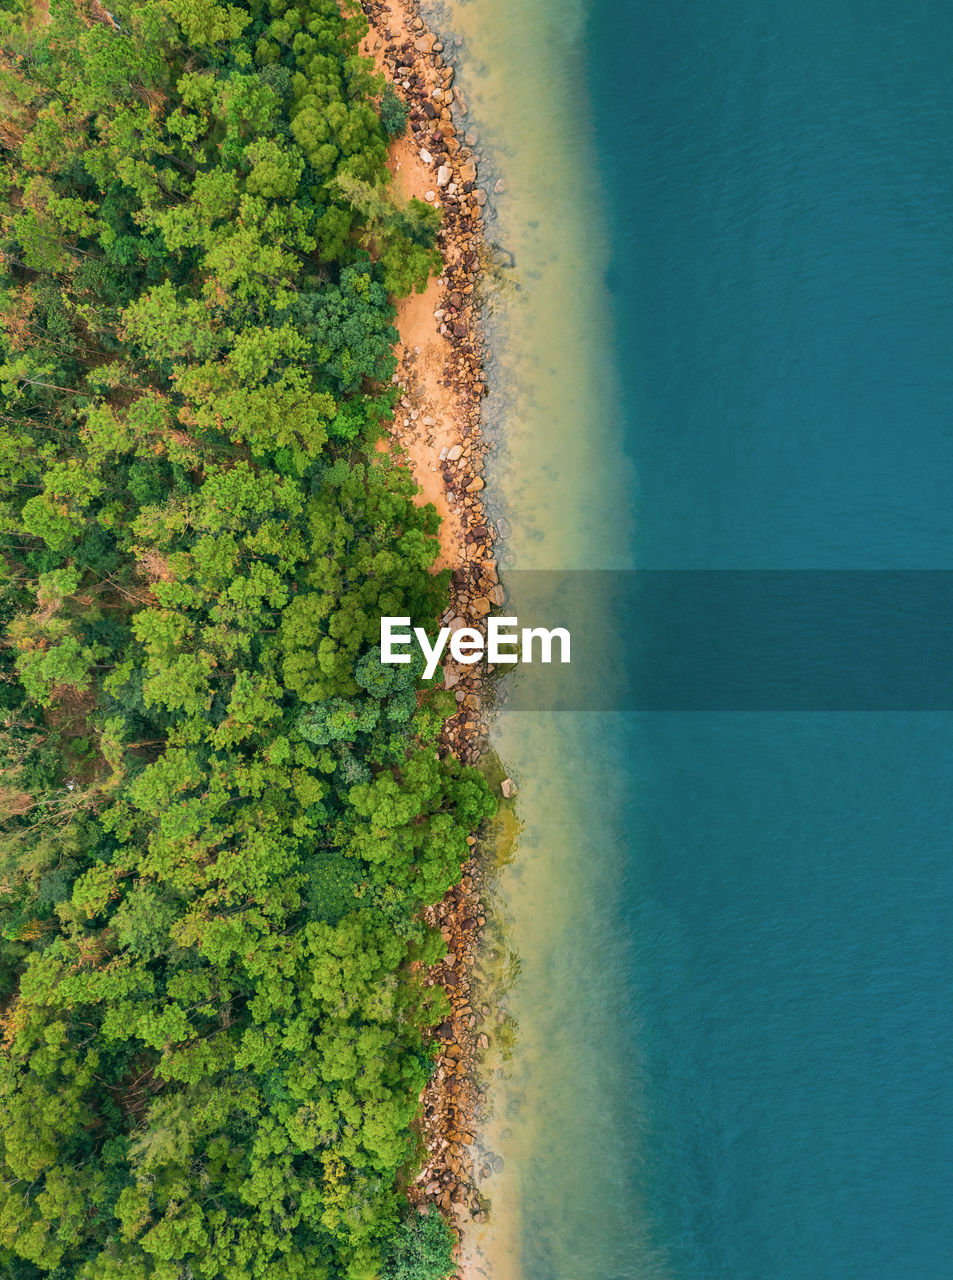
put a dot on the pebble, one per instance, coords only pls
(452, 1099)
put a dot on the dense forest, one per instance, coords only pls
(222, 815)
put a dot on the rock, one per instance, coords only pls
(430, 195)
(454, 452)
(425, 44)
(480, 608)
(467, 172)
(475, 485)
(508, 788)
(426, 156)
(444, 174)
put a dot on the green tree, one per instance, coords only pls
(221, 816)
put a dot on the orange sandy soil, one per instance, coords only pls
(419, 332)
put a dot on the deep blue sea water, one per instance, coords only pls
(778, 179)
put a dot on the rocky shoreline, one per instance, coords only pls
(414, 60)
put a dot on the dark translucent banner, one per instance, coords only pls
(735, 641)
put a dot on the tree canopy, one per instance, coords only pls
(222, 815)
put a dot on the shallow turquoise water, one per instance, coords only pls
(734, 1024)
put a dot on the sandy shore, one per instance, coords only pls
(437, 428)
(439, 350)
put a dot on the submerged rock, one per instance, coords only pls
(508, 787)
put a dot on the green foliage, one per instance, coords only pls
(401, 234)
(222, 816)
(393, 112)
(420, 1249)
(349, 330)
